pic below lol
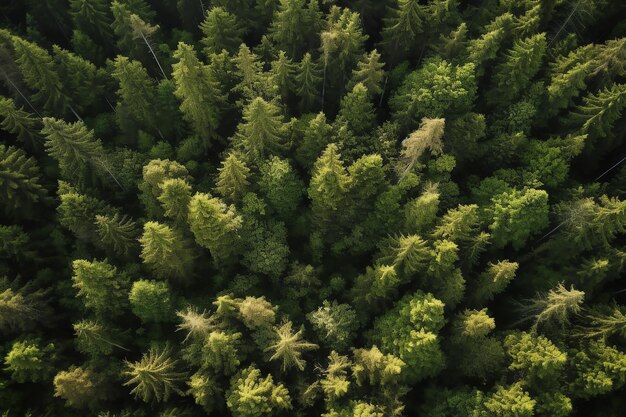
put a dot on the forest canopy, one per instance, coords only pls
(364, 208)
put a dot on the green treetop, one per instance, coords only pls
(335, 324)
(151, 301)
(232, 182)
(521, 64)
(251, 395)
(600, 111)
(154, 376)
(408, 331)
(155, 173)
(307, 83)
(116, 232)
(370, 73)
(437, 89)
(402, 26)
(373, 367)
(20, 189)
(282, 188)
(197, 91)
(39, 73)
(510, 401)
(28, 360)
(215, 226)
(221, 30)
(260, 133)
(92, 17)
(289, 347)
(102, 288)
(534, 356)
(19, 122)
(79, 387)
(166, 251)
(174, 198)
(282, 75)
(357, 110)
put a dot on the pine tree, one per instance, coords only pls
(79, 387)
(554, 308)
(521, 64)
(251, 80)
(336, 324)
(599, 368)
(435, 90)
(484, 49)
(328, 188)
(18, 122)
(39, 73)
(165, 251)
(260, 134)
(308, 79)
(94, 338)
(151, 301)
(518, 215)
(290, 27)
(427, 137)
(175, 197)
(80, 79)
(29, 360)
(251, 395)
(20, 190)
(609, 60)
(420, 213)
(77, 212)
(493, 281)
(370, 73)
(282, 75)
(92, 17)
(116, 232)
(600, 111)
(221, 30)
(74, 147)
(197, 91)
(317, 136)
(215, 226)
(569, 74)
(289, 347)
(357, 111)
(137, 93)
(102, 288)
(232, 182)
(588, 223)
(280, 186)
(154, 376)
(402, 26)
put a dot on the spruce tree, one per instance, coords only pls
(154, 376)
(308, 80)
(166, 252)
(101, 286)
(92, 17)
(402, 26)
(174, 198)
(80, 387)
(20, 187)
(116, 232)
(289, 347)
(19, 122)
(232, 182)
(260, 133)
(252, 395)
(197, 91)
(600, 111)
(370, 73)
(221, 30)
(39, 73)
(281, 75)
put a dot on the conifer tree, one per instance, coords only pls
(493, 281)
(136, 91)
(196, 90)
(609, 60)
(220, 352)
(19, 122)
(93, 338)
(357, 111)
(80, 387)
(534, 356)
(252, 81)
(260, 134)
(29, 360)
(251, 395)
(20, 189)
(599, 368)
(154, 376)
(335, 324)
(521, 64)
(517, 215)
(232, 182)
(221, 30)
(281, 187)
(74, 147)
(289, 347)
(370, 73)
(20, 308)
(420, 213)
(92, 17)
(402, 26)
(38, 71)
(175, 197)
(116, 232)
(290, 27)
(100, 285)
(554, 308)
(569, 74)
(427, 137)
(373, 367)
(155, 173)
(435, 90)
(215, 226)
(486, 47)
(165, 251)
(510, 401)
(80, 79)
(600, 111)
(281, 75)
(308, 79)
(151, 301)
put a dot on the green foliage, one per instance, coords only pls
(100, 285)
(154, 376)
(221, 31)
(512, 401)
(534, 356)
(165, 251)
(232, 182)
(20, 188)
(28, 360)
(437, 89)
(252, 395)
(281, 187)
(289, 347)
(18, 122)
(79, 387)
(260, 133)
(335, 324)
(151, 301)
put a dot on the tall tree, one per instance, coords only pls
(154, 376)
(197, 91)
(20, 186)
(308, 79)
(260, 133)
(221, 30)
(402, 26)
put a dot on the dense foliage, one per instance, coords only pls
(367, 208)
